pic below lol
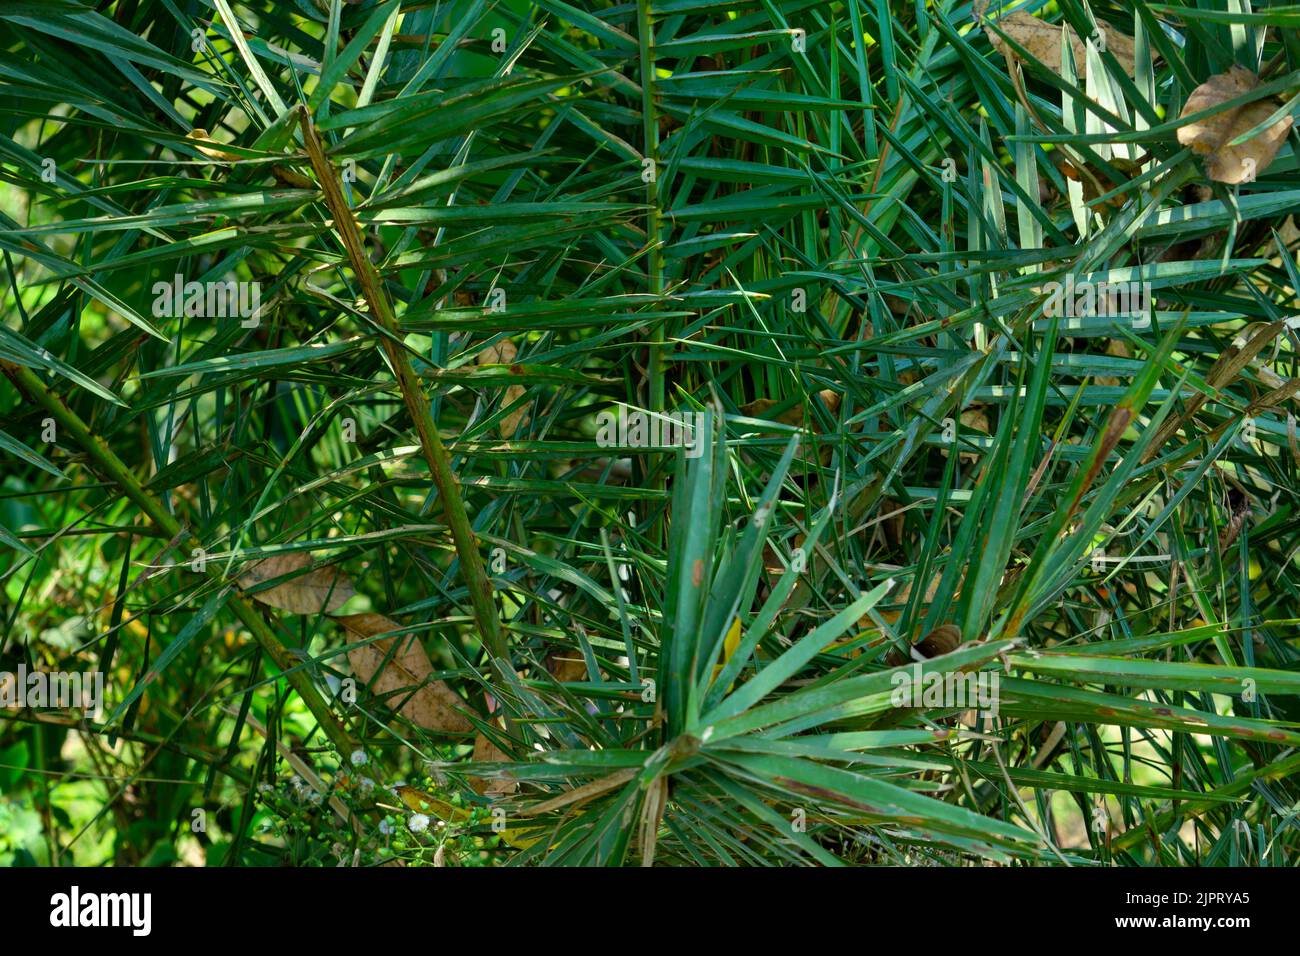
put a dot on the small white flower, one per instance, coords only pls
(359, 758)
(418, 823)
(385, 828)
(367, 784)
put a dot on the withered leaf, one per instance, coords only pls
(1211, 135)
(1119, 349)
(566, 666)
(1043, 41)
(320, 590)
(972, 420)
(942, 640)
(503, 353)
(434, 705)
(488, 752)
(796, 414)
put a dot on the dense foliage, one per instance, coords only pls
(469, 433)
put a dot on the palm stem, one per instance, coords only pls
(654, 215)
(417, 403)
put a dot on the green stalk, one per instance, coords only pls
(654, 216)
(417, 403)
(112, 467)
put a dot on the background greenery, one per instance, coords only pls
(677, 660)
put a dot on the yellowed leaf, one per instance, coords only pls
(434, 706)
(322, 590)
(1212, 135)
(729, 645)
(201, 137)
(418, 801)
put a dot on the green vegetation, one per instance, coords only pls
(334, 334)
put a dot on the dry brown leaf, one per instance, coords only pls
(566, 666)
(1117, 348)
(893, 522)
(1289, 232)
(793, 415)
(975, 419)
(488, 752)
(321, 590)
(1043, 41)
(1095, 182)
(434, 705)
(758, 407)
(892, 617)
(972, 420)
(503, 353)
(944, 639)
(1210, 136)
